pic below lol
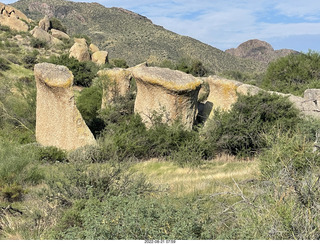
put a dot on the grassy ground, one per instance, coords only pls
(215, 176)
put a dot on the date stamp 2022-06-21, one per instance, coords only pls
(160, 241)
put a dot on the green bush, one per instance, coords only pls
(120, 63)
(80, 180)
(37, 43)
(4, 64)
(134, 218)
(18, 164)
(56, 24)
(293, 73)
(12, 193)
(189, 66)
(84, 72)
(51, 154)
(29, 61)
(89, 104)
(239, 131)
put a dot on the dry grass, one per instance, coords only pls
(215, 176)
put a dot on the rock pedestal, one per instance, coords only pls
(168, 92)
(58, 121)
(116, 83)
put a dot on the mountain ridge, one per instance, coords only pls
(133, 37)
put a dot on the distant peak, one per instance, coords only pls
(258, 50)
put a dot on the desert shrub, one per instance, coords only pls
(194, 67)
(187, 65)
(18, 169)
(293, 73)
(189, 154)
(120, 63)
(287, 152)
(19, 112)
(14, 59)
(29, 61)
(79, 180)
(87, 154)
(84, 72)
(291, 169)
(89, 103)
(12, 193)
(5, 28)
(37, 43)
(4, 64)
(51, 154)
(56, 24)
(135, 218)
(239, 131)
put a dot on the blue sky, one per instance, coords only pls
(224, 24)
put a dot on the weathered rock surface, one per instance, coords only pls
(44, 24)
(116, 83)
(41, 34)
(100, 57)
(58, 121)
(93, 48)
(164, 91)
(11, 11)
(59, 34)
(80, 50)
(12, 18)
(223, 93)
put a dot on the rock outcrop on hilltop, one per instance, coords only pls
(58, 121)
(170, 93)
(41, 32)
(13, 18)
(259, 51)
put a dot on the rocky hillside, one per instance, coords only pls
(132, 37)
(259, 51)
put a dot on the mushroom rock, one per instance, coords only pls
(58, 121)
(170, 93)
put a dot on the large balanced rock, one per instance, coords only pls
(58, 121)
(13, 18)
(80, 50)
(116, 83)
(100, 57)
(168, 92)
